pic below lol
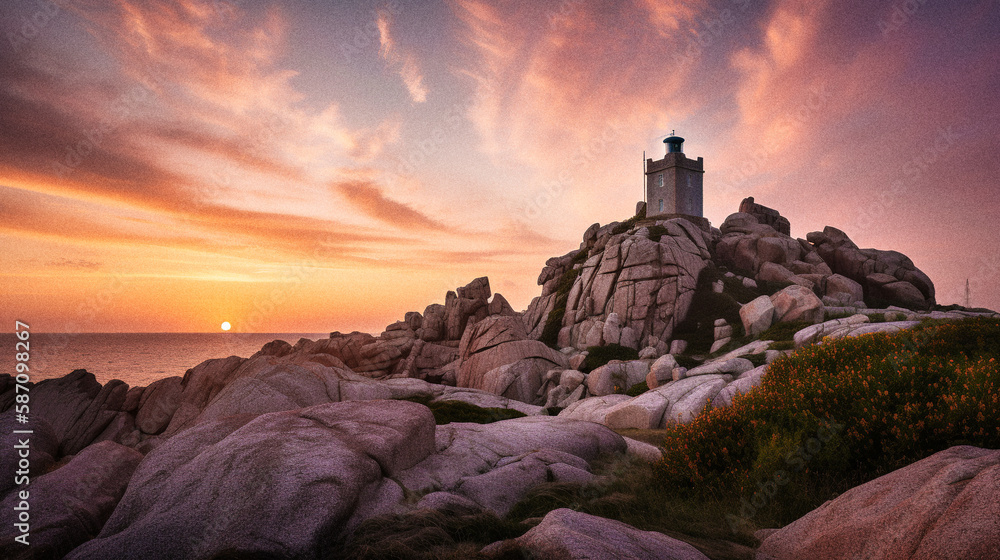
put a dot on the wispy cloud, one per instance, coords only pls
(404, 62)
(369, 199)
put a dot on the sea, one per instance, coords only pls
(135, 358)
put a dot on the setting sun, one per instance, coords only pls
(226, 326)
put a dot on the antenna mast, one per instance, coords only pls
(968, 294)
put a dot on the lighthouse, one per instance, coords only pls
(674, 183)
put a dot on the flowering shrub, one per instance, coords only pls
(836, 415)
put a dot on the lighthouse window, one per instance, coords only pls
(660, 179)
(661, 200)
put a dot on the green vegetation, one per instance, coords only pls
(597, 356)
(637, 389)
(628, 489)
(877, 318)
(783, 331)
(698, 327)
(957, 307)
(446, 412)
(832, 316)
(824, 420)
(628, 224)
(553, 323)
(834, 416)
(656, 232)
(782, 345)
(757, 359)
(687, 361)
(426, 535)
(734, 287)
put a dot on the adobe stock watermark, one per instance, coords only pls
(293, 278)
(228, 9)
(707, 33)
(420, 152)
(221, 180)
(902, 13)
(796, 461)
(536, 203)
(564, 11)
(77, 152)
(911, 173)
(364, 37)
(756, 162)
(31, 27)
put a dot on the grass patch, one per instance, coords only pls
(782, 345)
(598, 356)
(553, 323)
(784, 331)
(832, 316)
(957, 307)
(425, 535)
(637, 389)
(698, 327)
(656, 232)
(757, 359)
(446, 412)
(624, 227)
(629, 490)
(741, 293)
(877, 318)
(688, 362)
(834, 416)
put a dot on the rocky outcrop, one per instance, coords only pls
(757, 315)
(420, 345)
(640, 280)
(275, 484)
(797, 303)
(740, 386)
(841, 290)
(945, 506)
(77, 407)
(617, 376)
(497, 356)
(69, 506)
(765, 215)
(674, 402)
(494, 465)
(511, 478)
(850, 326)
(755, 242)
(760, 252)
(157, 405)
(887, 277)
(565, 534)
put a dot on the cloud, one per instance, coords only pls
(369, 199)
(550, 80)
(76, 263)
(673, 16)
(405, 63)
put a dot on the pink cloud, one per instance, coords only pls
(405, 63)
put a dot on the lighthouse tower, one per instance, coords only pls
(674, 183)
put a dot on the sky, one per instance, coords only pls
(310, 166)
